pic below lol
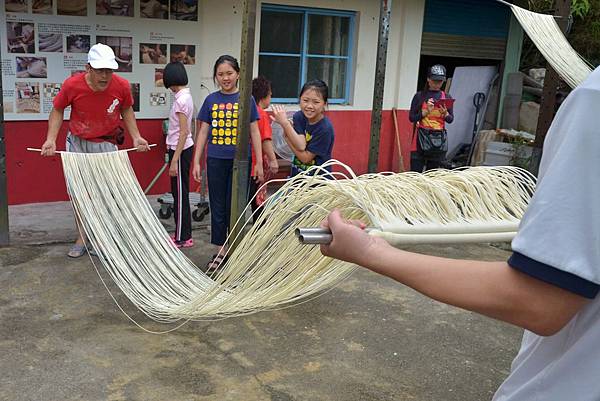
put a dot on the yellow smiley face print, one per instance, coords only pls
(227, 132)
(215, 106)
(227, 141)
(221, 132)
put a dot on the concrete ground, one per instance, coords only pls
(62, 337)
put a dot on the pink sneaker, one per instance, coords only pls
(184, 244)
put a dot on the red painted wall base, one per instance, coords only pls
(33, 178)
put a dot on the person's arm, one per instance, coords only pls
(267, 147)
(303, 155)
(55, 121)
(415, 112)
(447, 113)
(296, 141)
(129, 119)
(258, 172)
(493, 289)
(183, 134)
(202, 128)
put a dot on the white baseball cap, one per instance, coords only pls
(102, 56)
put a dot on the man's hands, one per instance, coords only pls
(141, 144)
(49, 148)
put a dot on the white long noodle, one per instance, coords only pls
(543, 30)
(269, 267)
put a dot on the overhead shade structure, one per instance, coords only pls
(472, 29)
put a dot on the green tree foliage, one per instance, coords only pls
(584, 35)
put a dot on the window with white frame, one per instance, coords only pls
(300, 44)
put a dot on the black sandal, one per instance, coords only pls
(216, 263)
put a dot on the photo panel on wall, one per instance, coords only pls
(123, 48)
(153, 53)
(120, 8)
(185, 54)
(158, 9)
(20, 37)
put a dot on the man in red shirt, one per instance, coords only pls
(99, 100)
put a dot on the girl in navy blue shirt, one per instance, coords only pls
(310, 135)
(217, 124)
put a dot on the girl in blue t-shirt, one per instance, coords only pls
(310, 136)
(217, 124)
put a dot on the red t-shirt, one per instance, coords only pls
(266, 132)
(94, 114)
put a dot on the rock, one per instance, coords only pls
(528, 116)
(538, 74)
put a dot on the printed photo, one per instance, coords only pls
(135, 92)
(185, 54)
(158, 9)
(158, 99)
(123, 48)
(72, 7)
(31, 67)
(185, 10)
(50, 42)
(51, 90)
(15, 6)
(28, 97)
(42, 7)
(153, 53)
(20, 37)
(123, 8)
(8, 105)
(78, 43)
(158, 77)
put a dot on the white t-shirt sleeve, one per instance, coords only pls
(561, 227)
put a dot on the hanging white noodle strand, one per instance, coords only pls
(269, 267)
(543, 30)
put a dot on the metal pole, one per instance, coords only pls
(239, 192)
(4, 238)
(382, 42)
(551, 83)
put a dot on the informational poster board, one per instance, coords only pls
(46, 41)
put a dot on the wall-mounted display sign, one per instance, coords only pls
(46, 41)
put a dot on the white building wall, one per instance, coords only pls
(221, 32)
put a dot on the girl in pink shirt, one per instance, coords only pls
(181, 150)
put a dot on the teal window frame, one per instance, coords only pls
(304, 56)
